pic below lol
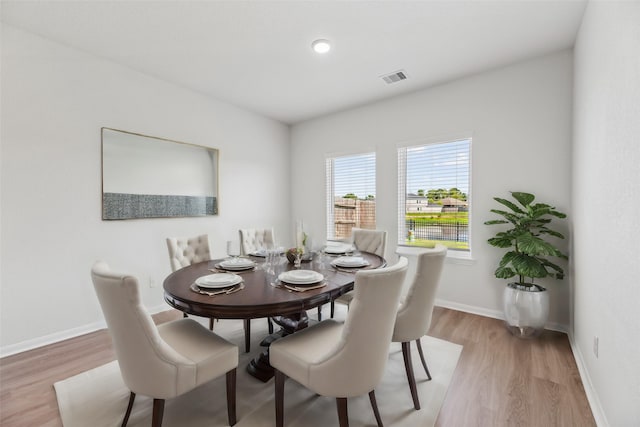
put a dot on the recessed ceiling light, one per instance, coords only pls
(321, 46)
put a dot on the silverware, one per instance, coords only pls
(304, 289)
(345, 270)
(221, 270)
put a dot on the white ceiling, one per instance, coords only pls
(257, 54)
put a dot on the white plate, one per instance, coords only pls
(339, 248)
(262, 253)
(237, 264)
(350, 261)
(218, 280)
(300, 277)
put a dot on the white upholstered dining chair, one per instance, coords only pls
(162, 361)
(186, 251)
(347, 359)
(373, 241)
(414, 314)
(191, 250)
(254, 239)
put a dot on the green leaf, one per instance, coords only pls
(525, 199)
(557, 214)
(496, 221)
(507, 258)
(538, 212)
(545, 230)
(504, 273)
(529, 266)
(509, 204)
(553, 266)
(501, 242)
(541, 205)
(513, 218)
(533, 245)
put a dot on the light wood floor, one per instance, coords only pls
(499, 381)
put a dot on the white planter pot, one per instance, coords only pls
(526, 309)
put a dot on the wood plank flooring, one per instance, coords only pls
(500, 380)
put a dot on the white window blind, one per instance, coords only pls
(434, 194)
(351, 194)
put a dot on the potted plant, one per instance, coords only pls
(525, 303)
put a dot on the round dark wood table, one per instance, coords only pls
(260, 299)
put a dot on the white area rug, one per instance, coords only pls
(99, 397)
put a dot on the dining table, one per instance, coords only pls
(260, 294)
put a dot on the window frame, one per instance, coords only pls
(330, 186)
(401, 149)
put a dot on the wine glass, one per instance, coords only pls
(233, 249)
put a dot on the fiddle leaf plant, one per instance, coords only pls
(528, 251)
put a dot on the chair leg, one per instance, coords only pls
(408, 366)
(132, 397)
(158, 411)
(231, 396)
(279, 382)
(424, 364)
(374, 405)
(270, 324)
(343, 416)
(247, 335)
(211, 320)
(333, 308)
(319, 313)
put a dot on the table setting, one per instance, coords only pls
(218, 284)
(300, 280)
(236, 265)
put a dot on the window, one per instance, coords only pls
(433, 194)
(351, 194)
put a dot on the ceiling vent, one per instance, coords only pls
(395, 77)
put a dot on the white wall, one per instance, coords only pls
(54, 102)
(606, 201)
(520, 121)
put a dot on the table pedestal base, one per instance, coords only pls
(260, 367)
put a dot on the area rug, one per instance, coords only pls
(99, 397)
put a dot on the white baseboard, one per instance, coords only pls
(495, 314)
(11, 349)
(592, 395)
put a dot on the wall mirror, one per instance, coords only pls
(149, 177)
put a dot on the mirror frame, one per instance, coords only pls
(137, 188)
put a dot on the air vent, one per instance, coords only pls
(394, 77)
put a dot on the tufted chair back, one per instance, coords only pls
(253, 239)
(357, 362)
(161, 361)
(414, 315)
(187, 251)
(149, 366)
(374, 241)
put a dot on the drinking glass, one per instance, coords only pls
(233, 248)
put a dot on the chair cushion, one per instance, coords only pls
(345, 298)
(297, 353)
(211, 354)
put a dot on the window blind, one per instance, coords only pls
(351, 193)
(434, 194)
